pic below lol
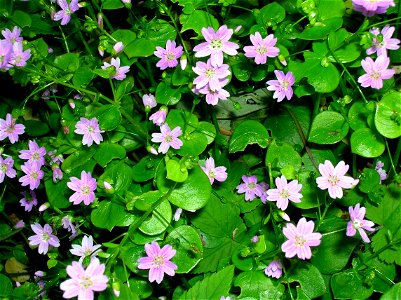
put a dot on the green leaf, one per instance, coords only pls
(142, 47)
(83, 76)
(110, 214)
(58, 193)
(145, 168)
(194, 144)
(367, 143)
(167, 95)
(349, 285)
(124, 35)
(256, 285)
(370, 181)
(21, 19)
(112, 4)
(107, 152)
(241, 67)
(109, 116)
(310, 279)
(272, 12)
(208, 130)
(309, 191)
(394, 293)
(197, 20)
(159, 220)
(281, 155)
(328, 127)
(175, 171)
(6, 286)
(330, 9)
(75, 162)
(359, 113)
(246, 133)
(388, 115)
(188, 122)
(36, 128)
(321, 29)
(68, 62)
(119, 174)
(212, 287)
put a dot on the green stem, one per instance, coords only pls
(389, 155)
(397, 153)
(64, 39)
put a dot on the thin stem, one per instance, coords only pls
(389, 155)
(397, 153)
(64, 39)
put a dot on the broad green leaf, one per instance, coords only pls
(175, 171)
(309, 278)
(119, 174)
(247, 133)
(6, 286)
(21, 19)
(328, 127)
(167, 95)
(107, 152)
(82, 76)
(197, 20)
(281, 155)
(188, 122)
(190, 5)
(370, 180)
(142, 47)
(318, 157)
(76, 160)
(109, 116)
(388, 115)
(309, 191)
(359, 113)
(241, 67)
(349, 285)
(36, 128)
(124, 35)
(394, 293)
(160, 31)
(255, 285)
(271, 14)
(208, 130)
(321, 29)
(68, 62)
(194, 144)
(159, 220)
(367, 143)
(58, 193)
(145, 168)
(110, 214)
(112, 4)
(330, 9)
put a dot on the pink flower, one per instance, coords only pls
(149, 101)
(12, 36)
(84, 282)
(20, 224)
(67, 224)
(57, 173)
(381, 171)
(118, 47)
(255, 239)
(300, 239)
(262, 48)
(376, 71)
(34, 155)
(169, 56)
(28, 202)
(168, 138)
(66, 11)
(334, 179)
(158, 261)
(250, 187)
(8, 128)
(19, 57)
(86, 250)
(380, 47)
(274, 269)
(282, 87)
(44, 238)
(216, 43)
(83, 188)
(158, 118)
(211, 75)
(358, 223)
(33, 175)
(213, 96)
(119, 72)
(90, 130)
(6, 168)
(372, 7)
(212, 172)
(264, 187)
(5, 54)
(285, 192)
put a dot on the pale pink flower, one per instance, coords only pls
(169, 56)
(19, 57)
(216, 43)
(158, 118)
(213, 96)
(274, 269)
(87, 249)
(66, 11)
(183, 62)
(213, 172)
(43, 207)
(44, 238)
(57, 173)
(149, 101)
(262, 48)
(284, 192)
(90, 130)
(84, 188)
(118, 47)
(35, 154)
(6, 168)
(282, 87)
(20, 224)
(177, 214)
(264, 187)
(168, 138)
(119, 72)
(381, 171)
(29, 201)
(380, 47)
(84, 282)
(211, 75)
(12, 36)
(300, 239)
(158, 261)
(370, 8)
(376, 72)
(250, 187)
(255, 239)
(358, 223)
(67, 224)
(33, 175)
(334, 179)
(9, 128)
(6, 49)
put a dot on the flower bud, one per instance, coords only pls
(284, 216)
(177, 214)
(255, 239)
(108, 187)
(237, 29)
(282, 60)
(118, 47)
(183, 62)
(116, 288)
(152, 150)
(71, 103)
(100, 20)
(44, 206)
(149, 101)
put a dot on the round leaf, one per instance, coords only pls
(109, 117)
(248, 132)
(194, 144)
(283, 155)
(167, 95)
(175, 171)
(159, 220)
(388, 115)
(107, 152)
(367, 143)
(328, 127)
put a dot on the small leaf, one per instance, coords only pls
(367, 143)
(167, 95)
(107, 152)
(109, 116)
(246, 133)
(175, 171)
(388, 115)
(328, 127)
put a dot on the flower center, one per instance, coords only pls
(251, 186)
(285, 84)
(168, 138)
(158, 260)
(68, 11)
(87, 252)
(375, 75)
(91, 129)
(170, 56)
(216, 44)
(35, 156)
(261, 49)
(333, 180)
(86, 282)
(85, 190)
(212, 174)
(45, 237)
(18, 59)
(284, 194)
(210, 73)
(356, 224)
(10, 128)
(299, 240)
(3, 168)
(34, 175)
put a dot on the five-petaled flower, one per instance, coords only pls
(84, 188)
(274, 269)
(376, 72)
(168, 138)
(213, 172)
(9, 128)
(6, 168)
(118, 72)
(372, 7)
(284, 192)
(262, 48)
(282, 87)
(158, 261)
(87, 249)
(35, 154)
(358, 223)
(169, 56)
(66, 11)
(380, 46)
(210, 75)
(44, 237)
(29, 201)
(90, 130)
(250, 187)
(33, 175)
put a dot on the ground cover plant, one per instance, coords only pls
(222, 149)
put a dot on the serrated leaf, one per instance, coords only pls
(247, 133)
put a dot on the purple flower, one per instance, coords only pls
(358, 223)
(67, 224)
(300, 239)
(44, 238)
(12, 36)
(262, 48)
(57, 159)
(86, 250)
(83, 188)
(119, 72)
(282, 87)
(5, 53)
(213, 96)
(250, 187)
(168, 138)
(177, 214)
(90, 130)
(168, 56)
(66, 11)
(6, 168)
(209, 74)
(255, 239)
(118, 47)
(158, 261)
(284, 192)
(149, 101)
(264, 187)
(19, 56)
(8, 128)
(57, 173)
(213, 172)
(376, 71)
(334, 179)
(381, 171)
(20, 224)
(372, 7)
(84, 282)
(274, 269)
(28, 202)
(34, 155)
(158, 118)
(380, 47)
(33, 175)
(216, 43)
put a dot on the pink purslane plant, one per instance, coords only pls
(358, 223)
(370, 8)
(87, 249)
(119, 72)
(169, 56)
(13, 36)
(35, 154)
(90, 130)
(213, 172)
(168, 138)
(149, 101)
(43, 237)
(284, 192)
(300, 239)
(9, 128)
(376, 72)
(158, 118)
(213, 96)
(6, 168)
(282, 87)
(158, 261)
(84, 188)
(33, 175)
(216, 43)
(380, 46)
(210, 75)
(333, 178)
(274, 269)
(250, 187)
(29, 201)
(84, 282)
(262, 48)
(19, 56)
(67, 9)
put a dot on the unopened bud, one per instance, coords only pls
(127, 3)
(108, 187)
(255, 239)
(183, 62)
(177, 214)
(44, 206)
(118, 47)
(237, 29)
(149, 101)
(100, 20)
(282, 60)
(100, 50)
(152, 150)
(71, 103)
(116, 288)
(284, 216)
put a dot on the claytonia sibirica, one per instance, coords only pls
(66, 11)
(119, 72)
(44, 238)
(5, 54)
(213, 172)
(158, 118)
(213, 96)
(264, 187)
(67, 224)
(380, 47)
(250, 187)
(284, 192)
(168, 138)
(8, 128)
(35, 154)
(87, 249)
(6, 168)
(358, 223)
(84, 282)
(274, 269)
(262, 48)
(370, 8)
(211, 75)
(376, 72)
(28, 202)
(334, 179)
(90, 130)
(381, 171)
(33, 175)
(300, 239)
(169, 56)
(158, 261)
(19, 57)
(83, 188)
(216, 43)
(13, 36)
(149, 101)
(282, 87)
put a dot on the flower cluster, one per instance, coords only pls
(32, 167)
(370, 8)
(12, 53)
(252, 189)
(213, 172)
